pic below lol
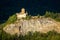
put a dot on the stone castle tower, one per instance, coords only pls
(21, 14)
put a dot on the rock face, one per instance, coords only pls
(40, 25)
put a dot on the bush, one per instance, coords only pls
(55, 16)
(28, 17)
(52, 35)
(12, 19)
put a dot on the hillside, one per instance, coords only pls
(41, 24)
(50, 21)
(46, 27)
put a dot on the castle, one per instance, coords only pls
(21, 14)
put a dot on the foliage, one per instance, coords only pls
(38, 15)
(52, 35)
(28, 17)
(53, 15)
(10, 20)
(6, 36)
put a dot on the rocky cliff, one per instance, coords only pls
(23, 26)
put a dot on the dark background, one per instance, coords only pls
(34, 7)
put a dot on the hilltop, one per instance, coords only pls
(44, 24)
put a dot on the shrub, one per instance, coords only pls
(12, 19)
(53, 15)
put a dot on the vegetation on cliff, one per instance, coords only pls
(52, 35)
(10, 20)
(55, 16)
